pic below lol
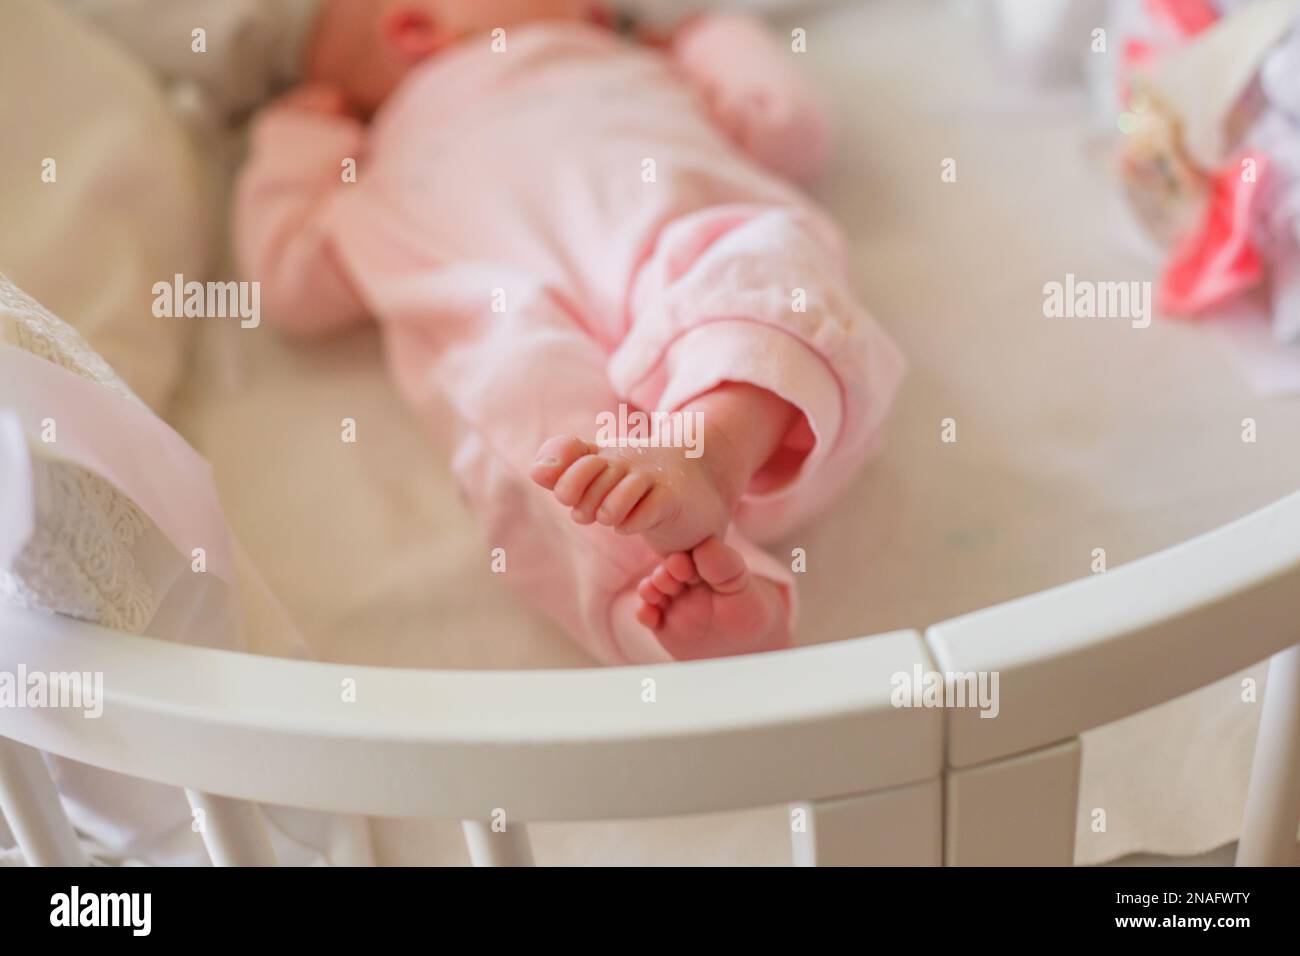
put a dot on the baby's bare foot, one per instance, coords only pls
(705, 603)
(675, 502)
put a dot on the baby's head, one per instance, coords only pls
(365, 48)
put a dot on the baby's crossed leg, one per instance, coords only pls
(517, 377)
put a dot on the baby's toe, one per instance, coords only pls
(681, 567)
(647, 591)
(650, 616)
(573, 484)
(665, 582)
(618, 504)
(721, 567)
(554, 458)
(658, 506)
(584, 512)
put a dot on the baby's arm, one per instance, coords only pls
(755, 92)
(284, 196)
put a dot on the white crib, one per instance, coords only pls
(868, 782)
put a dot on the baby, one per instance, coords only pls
(550, 221)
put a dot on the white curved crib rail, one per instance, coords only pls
(1091, 652)
(539, 745)
(879, 783)
(543, 745)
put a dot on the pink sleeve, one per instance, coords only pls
(283, 200)
(756, 91)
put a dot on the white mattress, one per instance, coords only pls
(1072, 435)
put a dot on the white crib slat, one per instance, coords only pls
(233, 830)
(1018, 811)
(32, 808)
(1268, 831)
(898, 827)
(487, 847)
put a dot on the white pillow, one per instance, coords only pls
(102, 193)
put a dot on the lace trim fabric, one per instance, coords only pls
(80, 559)
(26, 323)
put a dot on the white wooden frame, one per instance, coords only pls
(1121, 642)
(813, 727)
